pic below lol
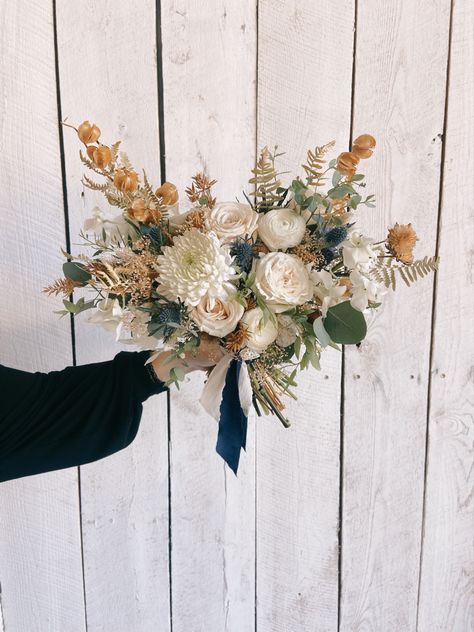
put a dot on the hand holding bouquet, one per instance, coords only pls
(273, 278)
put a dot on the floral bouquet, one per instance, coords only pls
(275, 278)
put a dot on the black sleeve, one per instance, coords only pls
(59, 419)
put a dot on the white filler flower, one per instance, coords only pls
(196, 265)
(327, 289)
(357, 250)
(281, 228)
(230, 220)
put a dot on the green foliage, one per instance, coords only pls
(76, 272)
(345, 324)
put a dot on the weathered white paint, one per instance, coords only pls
(40, 551)
(386, 379)
(124, 499)
(209, 112)
(259, 551)
(447, 582)
(304, 100)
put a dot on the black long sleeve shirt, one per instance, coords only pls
(77, 415)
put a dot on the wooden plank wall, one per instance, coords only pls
(360, 516)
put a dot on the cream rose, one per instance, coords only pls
(231, 220)
(260, 335)
(281, 228)
(216, 317)
(283, 280)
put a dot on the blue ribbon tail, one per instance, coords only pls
(232, 435)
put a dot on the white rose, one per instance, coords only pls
(281, 228)
(260, 335)
(283, 281)
(216, 317)
(230, 220)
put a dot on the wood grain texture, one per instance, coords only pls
(304, 88)
(399, 98)
(108, 73)
(40, 553)
(447, 580)
(209, 111)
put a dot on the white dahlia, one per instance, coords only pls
(196, 265)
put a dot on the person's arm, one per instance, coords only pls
(79, 414)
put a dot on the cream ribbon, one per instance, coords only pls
(211, 396)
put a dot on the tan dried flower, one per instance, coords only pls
(61, 286)
(126, 180)
(196, 218)
(401, 240)
(236, 340)
(168, 193)
(88, 132)
(362, 146)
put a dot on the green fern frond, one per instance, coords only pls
(314, 166)
(265, 181)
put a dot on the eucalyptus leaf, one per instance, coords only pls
(76, 272)
(344, 324)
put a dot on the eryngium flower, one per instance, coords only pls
(196, 265)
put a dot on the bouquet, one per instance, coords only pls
(275, 277)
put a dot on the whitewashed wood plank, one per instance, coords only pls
(447, 580)
(108, 73)
(304, 100)
(209, 86)
(400, 79)
(40, 552)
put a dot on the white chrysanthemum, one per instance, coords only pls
(196, 265)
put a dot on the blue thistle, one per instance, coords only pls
(243, 250)
(335, 236)
(328, 255)
(169, 314)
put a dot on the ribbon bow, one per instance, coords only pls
(227, 396)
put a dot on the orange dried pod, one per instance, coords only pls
(101, 155)
(90, 151)
(88, 132)
(168, 193)
(126, 180)
(347, 162)
(143, 213)
(362, 146)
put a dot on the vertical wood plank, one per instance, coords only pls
(447, 582)
(40, 551)
(400, 78)
(209, 55)
(108, 73)
(304, 100)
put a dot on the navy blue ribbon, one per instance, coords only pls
(232, 435)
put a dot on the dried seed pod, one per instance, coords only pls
(126, 180)
(101, 156)
(168, 193)
(362, 146)
(88, 132)
(347, 162)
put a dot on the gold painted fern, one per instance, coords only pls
(385, 272)
(265, 181)
(314, 167)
